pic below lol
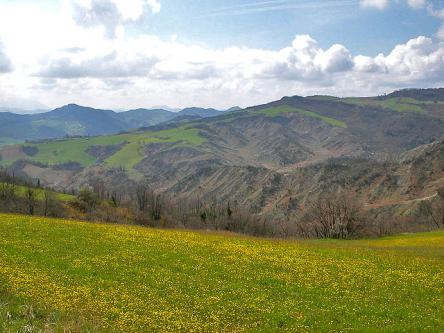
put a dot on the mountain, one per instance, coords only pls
(165, 107)
(76, 120)
(22, 111)
(271, 158)
(143, 117)
(204, 113)
(234, 108)
(429, 95)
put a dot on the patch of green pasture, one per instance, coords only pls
(21, 191)
(288, 109)
(404, 104)
(75, 149)
(133, 152)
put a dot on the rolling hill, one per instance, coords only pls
(271, 158)
(107, 278)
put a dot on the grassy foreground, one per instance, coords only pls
(133, 279)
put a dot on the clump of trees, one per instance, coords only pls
(337, 215)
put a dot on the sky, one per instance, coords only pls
(123, 54)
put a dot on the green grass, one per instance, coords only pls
(20, 315)
(144, 280)
(75, 149)
(132, 153)
(21, 192)
(404, 104)
(288, 109)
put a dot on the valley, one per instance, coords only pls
(272, 158)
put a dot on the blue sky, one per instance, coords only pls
(138, 53)
(272, 24)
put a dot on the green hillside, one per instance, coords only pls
(401, 104)
(76, 149)
(287, 109)
(130, 150)
(398, 104)
(133, 279)
(39, 193)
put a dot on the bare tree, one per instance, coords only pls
(335, 216)
(433, 210)
(142, 194)
(7, 191)
(49, 202)
(155, 205)
(116, 199)
(31, 200)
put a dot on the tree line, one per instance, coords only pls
(337, 215)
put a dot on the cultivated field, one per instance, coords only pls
(72, 275)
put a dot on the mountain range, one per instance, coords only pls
(271, 158)
(76, 120)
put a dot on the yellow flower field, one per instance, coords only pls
(133, 279)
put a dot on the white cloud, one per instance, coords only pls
(378, 4)
(416, 3)
(59, 61)
(305, 60)
(5, 62)
(336, 59)
(112, 65)
(154, 5)
(438, 13)
(148, 66)
(382, 4)
(111, 14)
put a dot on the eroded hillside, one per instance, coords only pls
(271, 158)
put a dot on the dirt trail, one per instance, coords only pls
(402, 202)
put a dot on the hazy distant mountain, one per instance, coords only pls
(164, 107)
(144, 117)
(76, 120)
(22, 111)
(234, 108)
(194, 111)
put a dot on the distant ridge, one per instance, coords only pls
(195, 111)
(76, 120)
(436, 94)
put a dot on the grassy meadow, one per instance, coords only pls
(102, 278)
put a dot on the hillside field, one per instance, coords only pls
(132, 279)
(21, 192)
